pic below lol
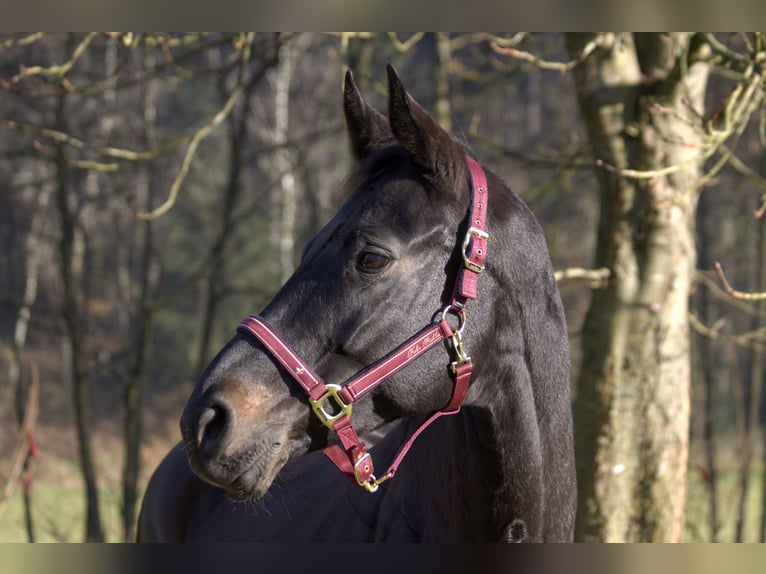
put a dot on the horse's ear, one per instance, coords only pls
(367, 128)
(430, 146)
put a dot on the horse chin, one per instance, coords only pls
(256, 479)
(254, 482)
(258, 468)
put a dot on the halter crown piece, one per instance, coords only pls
(333, 403)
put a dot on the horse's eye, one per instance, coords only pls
(370, 261)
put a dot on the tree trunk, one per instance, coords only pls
(215, 279)
(633, 401)
(284, 158)
(442, 68)
(215, 282)
(708, 369)
(761, 358)
(141, 325)
(756, 382)
(70, 254)
(32, 264)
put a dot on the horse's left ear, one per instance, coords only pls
(367, 128)
(432, 148)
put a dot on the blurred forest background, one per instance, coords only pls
(156, 188)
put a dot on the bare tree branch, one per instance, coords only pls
(755, 340)
(590, 47)
(202, 133)
(645, 174)
(709, 283)
(733, 292)
(57, 71)
(23, 41)
(407, 45)
(22, 447)
(118, 153)
(198, 136)
(596, 278)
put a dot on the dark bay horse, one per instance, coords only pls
(389, 273)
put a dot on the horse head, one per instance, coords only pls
(379, 271)
(385, 283)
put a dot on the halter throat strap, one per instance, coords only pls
(333, 403)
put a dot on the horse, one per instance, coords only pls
(429, 258)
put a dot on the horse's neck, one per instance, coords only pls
(448, 480)
(482, 469)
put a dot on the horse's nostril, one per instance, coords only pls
(211, 426)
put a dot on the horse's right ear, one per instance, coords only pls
(367, 128)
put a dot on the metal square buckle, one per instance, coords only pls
(328, 417)
(364, 464)
(466, 242)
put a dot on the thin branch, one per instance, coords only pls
(722, 50)
(735, 113)
(185, 39)
(706, 279)
(201, 134)
(749, 173)
(588, 49)
(23, 41)
(503, 42)
(645, 174)
(752, 296)
(596, 278)
(117, 153)
(746, 40)
(124, 77)
(346, 37)
(462, 41)
(189, 156)
(94, 165)
(23, 445)
(538, 159)
(713, 332)
(407, 45)
(751, 340)
(57, 71)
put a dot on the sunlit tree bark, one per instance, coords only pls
(640, 96)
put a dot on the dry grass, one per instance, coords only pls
(57, 494)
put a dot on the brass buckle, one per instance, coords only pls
(373, 483)
(318, 406)
(466, 241)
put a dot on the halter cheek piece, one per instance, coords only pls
(332, 403)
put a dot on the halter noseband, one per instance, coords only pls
(333, 403)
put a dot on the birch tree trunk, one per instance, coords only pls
(283, 158)
(633, 404)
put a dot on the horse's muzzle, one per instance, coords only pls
(234, 441)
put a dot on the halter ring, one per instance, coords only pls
(461, 317)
